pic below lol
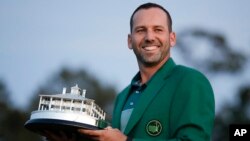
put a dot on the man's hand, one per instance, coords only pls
(108, 134)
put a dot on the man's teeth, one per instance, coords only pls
(149, 48)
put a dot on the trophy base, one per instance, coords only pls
(55, 126)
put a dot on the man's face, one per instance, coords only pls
(150, 38)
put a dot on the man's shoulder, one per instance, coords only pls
(186, 70)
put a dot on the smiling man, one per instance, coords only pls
(164, 101)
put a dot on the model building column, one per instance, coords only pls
(40, 101)
(91, 108)
(50, 102)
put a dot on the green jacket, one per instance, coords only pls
(177, 105)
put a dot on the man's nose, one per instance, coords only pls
(149, 36)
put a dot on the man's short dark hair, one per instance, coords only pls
(151, 5)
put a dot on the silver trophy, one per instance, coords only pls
(66, 112)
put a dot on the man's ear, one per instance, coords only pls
(172, 39)
(129, 41)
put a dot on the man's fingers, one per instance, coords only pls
(109, 127)
(90, 132)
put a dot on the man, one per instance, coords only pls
(164, 101)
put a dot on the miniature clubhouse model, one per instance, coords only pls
(66, 112)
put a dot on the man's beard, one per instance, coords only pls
(147, 60)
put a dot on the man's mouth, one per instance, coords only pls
(150, 48)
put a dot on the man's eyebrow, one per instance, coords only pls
(140, 26)
(159, 26)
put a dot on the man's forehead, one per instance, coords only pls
(154, 16)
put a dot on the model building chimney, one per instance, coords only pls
(83, 93)
(64, 90)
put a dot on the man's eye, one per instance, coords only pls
(158, 30)
(139, 30)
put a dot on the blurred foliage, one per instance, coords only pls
(12, 120)
(210, 51)
(206, 50)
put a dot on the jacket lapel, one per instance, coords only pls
(153, 87)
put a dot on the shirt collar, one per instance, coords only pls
(166, 68)
(136, 83)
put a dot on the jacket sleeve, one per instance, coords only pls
(193, 109)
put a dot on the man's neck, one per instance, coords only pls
(147, 72)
